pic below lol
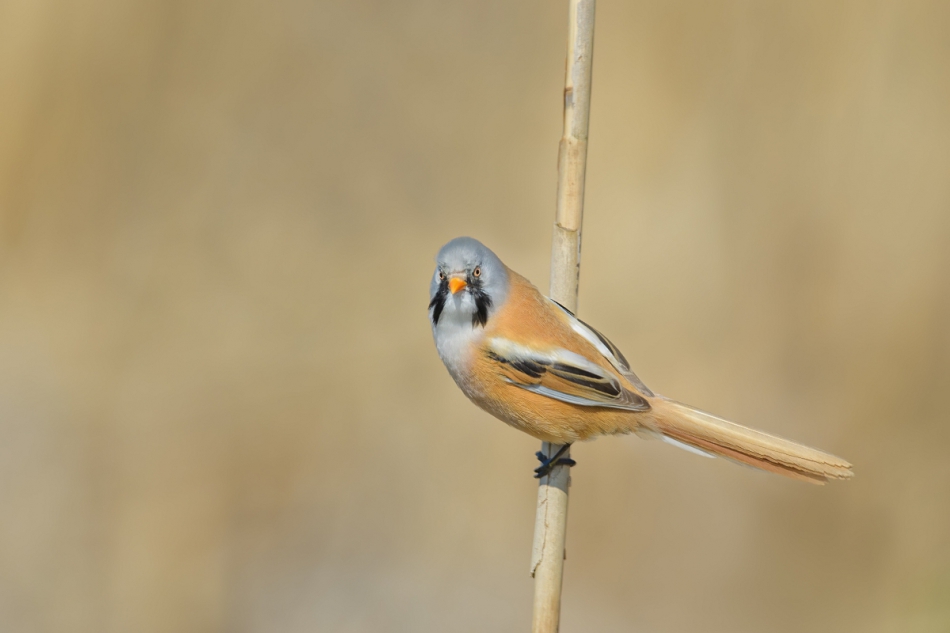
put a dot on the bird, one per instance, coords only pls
(530, 362)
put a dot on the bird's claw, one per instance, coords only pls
(548, 464)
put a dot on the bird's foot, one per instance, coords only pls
(548, 463)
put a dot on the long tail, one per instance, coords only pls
(709, 434)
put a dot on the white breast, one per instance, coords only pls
(456, 339)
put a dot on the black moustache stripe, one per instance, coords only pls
(482, 304)
(438, 301)
(474, 287)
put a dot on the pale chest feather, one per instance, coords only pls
(458, 342)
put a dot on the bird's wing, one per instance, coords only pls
(605, 347)
(563, 375)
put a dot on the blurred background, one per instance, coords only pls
(220, 405)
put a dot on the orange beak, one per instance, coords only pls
(456, 284)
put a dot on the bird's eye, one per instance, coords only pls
(477, 272)
(441, 276)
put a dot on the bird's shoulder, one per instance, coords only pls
(530, 319)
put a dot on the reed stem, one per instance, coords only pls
(547, 564)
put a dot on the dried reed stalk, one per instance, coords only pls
(547, 565)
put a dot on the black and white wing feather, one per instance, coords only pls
(605, 347)
(562, 375)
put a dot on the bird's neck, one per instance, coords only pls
(456, 340)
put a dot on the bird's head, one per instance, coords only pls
(468, 285)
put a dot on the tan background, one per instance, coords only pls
(220, 406)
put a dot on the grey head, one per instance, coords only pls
(468, 285)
